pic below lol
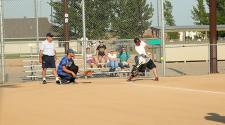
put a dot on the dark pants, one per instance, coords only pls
(68, 77)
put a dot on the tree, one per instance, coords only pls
(131, 18)
(124, 18)
(168, 10)
(97, 17)
(199, 14)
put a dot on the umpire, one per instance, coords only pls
(48, 57)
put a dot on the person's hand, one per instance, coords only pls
(74, 75)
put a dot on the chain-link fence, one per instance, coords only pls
(113, 22)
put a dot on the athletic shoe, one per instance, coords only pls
(44, 82)
(58, 82)
(156, 79)
(65, 82)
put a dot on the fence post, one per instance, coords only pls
(84, 35)
(163, 38)
(2, 43)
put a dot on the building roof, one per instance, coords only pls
(189, 28)
(25, 27)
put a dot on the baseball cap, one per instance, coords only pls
(70, 51)
(49, 35)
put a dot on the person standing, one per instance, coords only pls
(48, 57)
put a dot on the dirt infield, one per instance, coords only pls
(188, 100)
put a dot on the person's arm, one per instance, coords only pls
(147, 49)
(41, 52)
(68, 71)
(40, 56)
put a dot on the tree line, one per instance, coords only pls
(123, 19)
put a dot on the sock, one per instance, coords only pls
(56, 78)
(44, 79)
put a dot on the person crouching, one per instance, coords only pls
(67, 70)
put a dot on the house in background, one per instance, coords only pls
(25, 28)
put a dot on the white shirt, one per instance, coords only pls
(112, 56)
(141, 48)
(89, 57)
(47, 48)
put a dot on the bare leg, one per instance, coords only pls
(154, 70)
(100, 61)
(44, 73)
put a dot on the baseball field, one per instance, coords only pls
(186, 100)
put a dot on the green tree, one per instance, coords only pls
(169, 19)
(168, 10)
(131, 18)
(199, 14)
(97, 17)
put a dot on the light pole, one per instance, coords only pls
(163, 58)
(37, 23)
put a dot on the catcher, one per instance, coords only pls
(67, 70)
(143, 60)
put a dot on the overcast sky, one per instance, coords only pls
(25, 8)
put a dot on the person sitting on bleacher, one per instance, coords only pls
(90, 58)
(123, 56)
(113, 61)
(67, 70)
(101, 54)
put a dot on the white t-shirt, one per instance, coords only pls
(141, 51)
(141, 48)
(47, 48)
(89, 57)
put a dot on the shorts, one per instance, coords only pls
(90, 61)
(48, 61)
(150, 65)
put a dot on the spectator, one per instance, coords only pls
(101, 54)
(123, 56)
(113, 61)
(90, 58)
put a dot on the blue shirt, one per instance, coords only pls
(64, 62)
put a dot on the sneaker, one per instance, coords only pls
(65, 82)
(156, 79)
(58, 82)
(44, 82)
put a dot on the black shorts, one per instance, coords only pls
(48, 61)
(150, 65)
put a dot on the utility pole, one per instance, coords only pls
(213, 37)
(66, 25)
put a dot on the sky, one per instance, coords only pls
(25, 8)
